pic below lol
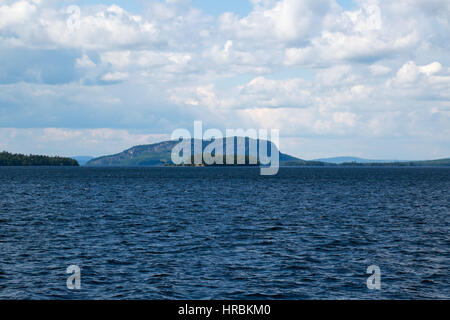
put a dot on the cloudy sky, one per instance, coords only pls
(363, 78)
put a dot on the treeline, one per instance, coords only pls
(10, 159)
(423, 163)
(432, 163)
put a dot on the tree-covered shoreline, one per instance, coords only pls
(15, 159)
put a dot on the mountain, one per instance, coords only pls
(143, 155)
(339, 160)
(160, 154)
(82, 160)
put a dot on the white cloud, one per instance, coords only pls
(299, 56)
(367, 18)
(115, 76)
(306, 66)
(409, 73)
(262, 92)
(279, 23)
(431, 68)
(336, 76)
(16, 14)
(379, 70)
(346, 118)
(203, 96)
(85, 62)
(118, 59)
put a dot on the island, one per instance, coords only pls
(15, 159)
(159, 154)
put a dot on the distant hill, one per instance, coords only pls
(14, 159)
(82, 160)
(158, 154)
(423, 163)
(379, 163)
(339, 160)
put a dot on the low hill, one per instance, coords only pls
(11, 159)
(423, 163)
(82, 160)
(339, 160)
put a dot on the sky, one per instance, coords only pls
(337, 78)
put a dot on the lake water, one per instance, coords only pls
(224, 233)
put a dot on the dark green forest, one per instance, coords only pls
(11, 159)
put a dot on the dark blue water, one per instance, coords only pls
(224, 233)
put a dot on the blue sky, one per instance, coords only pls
(364, 78)
(216, 8)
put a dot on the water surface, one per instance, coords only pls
(224, 233)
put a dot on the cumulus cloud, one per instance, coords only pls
(410, 73)
(115, 76)
(262, 92)
(16, 13)
(85, 62)
(380, 69)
